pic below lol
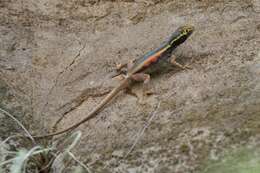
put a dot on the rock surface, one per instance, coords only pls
(55, 60)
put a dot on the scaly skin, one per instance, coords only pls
(149, 63)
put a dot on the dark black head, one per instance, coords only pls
(180, 35)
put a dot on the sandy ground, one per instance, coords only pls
(56, 57)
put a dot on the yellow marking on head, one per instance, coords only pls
(187, 29)
(183, 31)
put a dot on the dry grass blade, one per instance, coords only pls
(20, 162)
(59, 162)
(141, 132)
(80, 163)
(7, 139)
(19, 123)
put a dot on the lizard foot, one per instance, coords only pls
(174, 62)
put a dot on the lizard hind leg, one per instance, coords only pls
(145, 78)
(121, 69)
(141, 77)
(130, 64)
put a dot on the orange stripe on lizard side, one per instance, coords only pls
(150, 60)
(153, 58)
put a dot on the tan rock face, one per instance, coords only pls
(56, 57)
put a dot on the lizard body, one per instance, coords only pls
(138, 70)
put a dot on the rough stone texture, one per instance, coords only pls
(56, 56)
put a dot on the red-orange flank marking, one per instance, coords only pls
(153, 58)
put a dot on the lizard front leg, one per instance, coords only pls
(174, 62)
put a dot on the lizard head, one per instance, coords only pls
(180, 35)
(186, 30)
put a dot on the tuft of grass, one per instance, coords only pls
(36, 158)
(19, 162)
(40, 159)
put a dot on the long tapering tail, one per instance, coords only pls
(94, 112)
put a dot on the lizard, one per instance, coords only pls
(139, 70)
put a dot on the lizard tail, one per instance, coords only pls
(93, 113)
